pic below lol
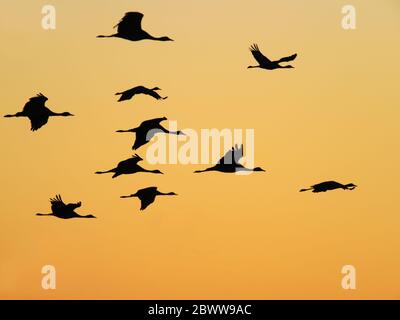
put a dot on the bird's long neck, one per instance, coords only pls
(45, 214)
(150, 37)
(165, 194)
(249, 67)
(302, 190)
(170, 132)
(150, 171)
(107, 36)
(87, 216)
(56, 114)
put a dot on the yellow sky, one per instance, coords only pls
(335, 116)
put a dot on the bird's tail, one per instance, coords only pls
(163, 98)
(302, 190)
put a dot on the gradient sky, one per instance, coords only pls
(335, 116)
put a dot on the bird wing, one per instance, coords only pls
(141, 139)
(147, 200)
(287, 59)
(73, 206)
(131, 21)
(34, 102)
(57, 204)
(38, 121)
(152, 123)
(128, 94)
(130, 162)
(153, 93)
(232, 156)
(261, 59)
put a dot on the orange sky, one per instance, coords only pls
(335, 116)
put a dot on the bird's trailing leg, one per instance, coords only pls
(102, 172)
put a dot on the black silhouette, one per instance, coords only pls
(128, 166)
(37, 112)
(130, 28)
(230, 162)
(64, 211)
(128, 94)
(148, 195)
(265, 63)
(329, 185)
(146, 131)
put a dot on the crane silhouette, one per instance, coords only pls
(147, 130)
(229, 163)
(128, 166)
(130, 28)
(64, 211)
(128, 94)
(329, 185)
(36, 111)
(265, 63)
(148, 195)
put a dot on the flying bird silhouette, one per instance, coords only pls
(230, 162)
(265, 63)
(130, 28)
(128, 166)
(147, 130)
(329, 185)
(64, 211)
(128, 94)
(148, 195)
(36, 111)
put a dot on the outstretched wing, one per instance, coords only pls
(73, 206)
(38, 121)
(131, 22)
(34, 102)
(287, 59)
(57, 204)
(136, 158)
(147, 200)
(152, 123)
(130, 162)
(128, 94)
(261, 59)
(142, 137)
(232, 156)
(154, 94)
